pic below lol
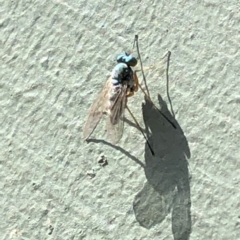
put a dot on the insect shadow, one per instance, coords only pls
(167, 189)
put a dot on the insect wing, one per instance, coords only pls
(96, 111)
(115, 124)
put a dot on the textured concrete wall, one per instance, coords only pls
(54, 58)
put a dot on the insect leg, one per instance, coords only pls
(130, 94)
(140, 129)
(136, 82)
(139, 56)
(86, 139)
(156, 107)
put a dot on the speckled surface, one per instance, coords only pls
(54, 58)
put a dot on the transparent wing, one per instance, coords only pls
(115, 124)
(96, 111)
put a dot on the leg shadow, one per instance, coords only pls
(167, 190)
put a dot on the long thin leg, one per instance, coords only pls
(86, 139)
(135, 78)
(138, 51)
(137, 84)
(156, 107)
(167, 77)
(140, 129)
